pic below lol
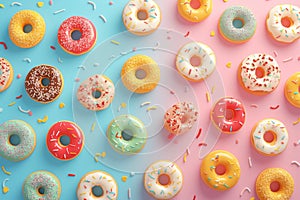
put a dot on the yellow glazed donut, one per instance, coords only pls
(292, 89)
(26, 28)
(283, 181)
(220, 170)
(6, 74)
(192, 14)
(140, 74)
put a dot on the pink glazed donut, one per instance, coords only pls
(77, 35)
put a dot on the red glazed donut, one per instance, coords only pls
(77, 35)
(228, 115)
(57, 142)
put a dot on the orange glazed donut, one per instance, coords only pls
(292, 89)
(65, 140)
(77, 35)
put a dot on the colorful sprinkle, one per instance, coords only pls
(4, 45)
(115, 42)
(151, 108)
(93, 126)
(202, 144)
(2, 6)
(207, 97)
(145, 103)
(254, 105)
(5, 189)
(19, 76)
(199, 133)
(124, 178)
(27, 60)
(40, 4)
(275, 53)
(187, 34)
(71, 175)
(59, 11)
(129, 193)
(12, 103)
(24, 111)
(19, 97)
(296, 122)
(44, 120)
(53, 47)
(228, 65)
(184, 157)
(288, 59)
(15, 4)
(93, 4)
(212, 34)
(274, 107)
(245, 189)
(250, 162)
(295, 163)
(103, 18)
(5, 171)
(61, 105)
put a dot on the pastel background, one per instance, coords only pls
(238, 144)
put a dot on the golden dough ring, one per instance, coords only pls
(291, 89)
(17, 24)
(148, 66)
(194, 15)
(270, 175)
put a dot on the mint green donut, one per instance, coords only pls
(41, 185)
(127, 134)
(27, 140)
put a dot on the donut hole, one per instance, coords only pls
(97, 191)
(45, 81)
(64, 140)
(14, 140)
(164, 179)
(76, 35)
(195, 61)
(238, 23)
(195, 4)
(27, 28)
(259, 72)
(96, 94)
(127, 135)
(275, 186)
(142, 14)
(220, 169)
(287, 22)
(140, 74)
(270, 137)
(229, 114)
(41, 190)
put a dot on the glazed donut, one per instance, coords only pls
(163, 180)
(141, 17)
(41, 185)
(198, 51)
(277, 133)
(6, 74)
(194, 14)
(220, 170)
(44, 83)
(228, 115)
(259, 74)
(280, 177)
(283, 23)
(96, 92)
(97, 185)
(180, 118)
(65, 140)
(237, 24)
(77, 35)
(140, 74)
(292, 89)
(17, 140)
(126, 134)
(26, 28)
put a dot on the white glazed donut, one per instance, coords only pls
(286, 33)
(97, 179)
(171, 185)
(277, 144)
(201, 52)
(141, 26)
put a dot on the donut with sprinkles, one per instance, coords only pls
(6, 74)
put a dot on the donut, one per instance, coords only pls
(141, 17)
(44, 83)
(279, 177)
(228, 115)
(283, 23)
(220, 170)
(17, 140)
(77, 35)
(126, 134)
(163, 179)
(204, 57)
(292, 89)
(237, 24)
(180, 118)
(259, 74)
(26, 28)
(140, 74)
(41, 185)
(6, 74)
(96, 92)
(97, 185)
(65, 140)
(269, 137)
(195, 13)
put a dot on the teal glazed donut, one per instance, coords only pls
(237, 24)
(41, 185)
(127, 134)
(17, 140)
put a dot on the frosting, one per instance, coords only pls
(291, 89)
(70, 130)
(41, 179)
(207, 60)
(271, 77)
(194, 15)
(219, 112)
(6, 73)
(180, 118)
(88, 35)
(275, 27)
(27, 140)
(232, 33)
(158, 190)
(92, 84)
(281, 137)
(134, 24)
(133, 127)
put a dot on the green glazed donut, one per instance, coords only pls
(127, 134)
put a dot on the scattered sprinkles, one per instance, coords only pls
(5, 189)
(40, 4)
(115, 42)
(245, 189)
(19, 97)
(295, 163)
(59, 60)
(103, 18)
(53, 47)
(5, 171)
(254, 105)
(199, 133)
(296, 122)
(44, 120)
(288, 59)
(228, 65)
(12, 103)
(275, 53)
(4, 45)
(124, 178)
(93, 4)
(145, 103)
(274, 107)
(187, 34)
(207, 97)
(202, 144)
(129, 193)
(59, 11)
(93, 126)
(24, 111)
(27, 60)
(184, 157)
(19, 76)
(212, 34)
(71, 175)
(250, 162)
(151, 108)
(61, 105)
(2, 6)
(15, 3)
